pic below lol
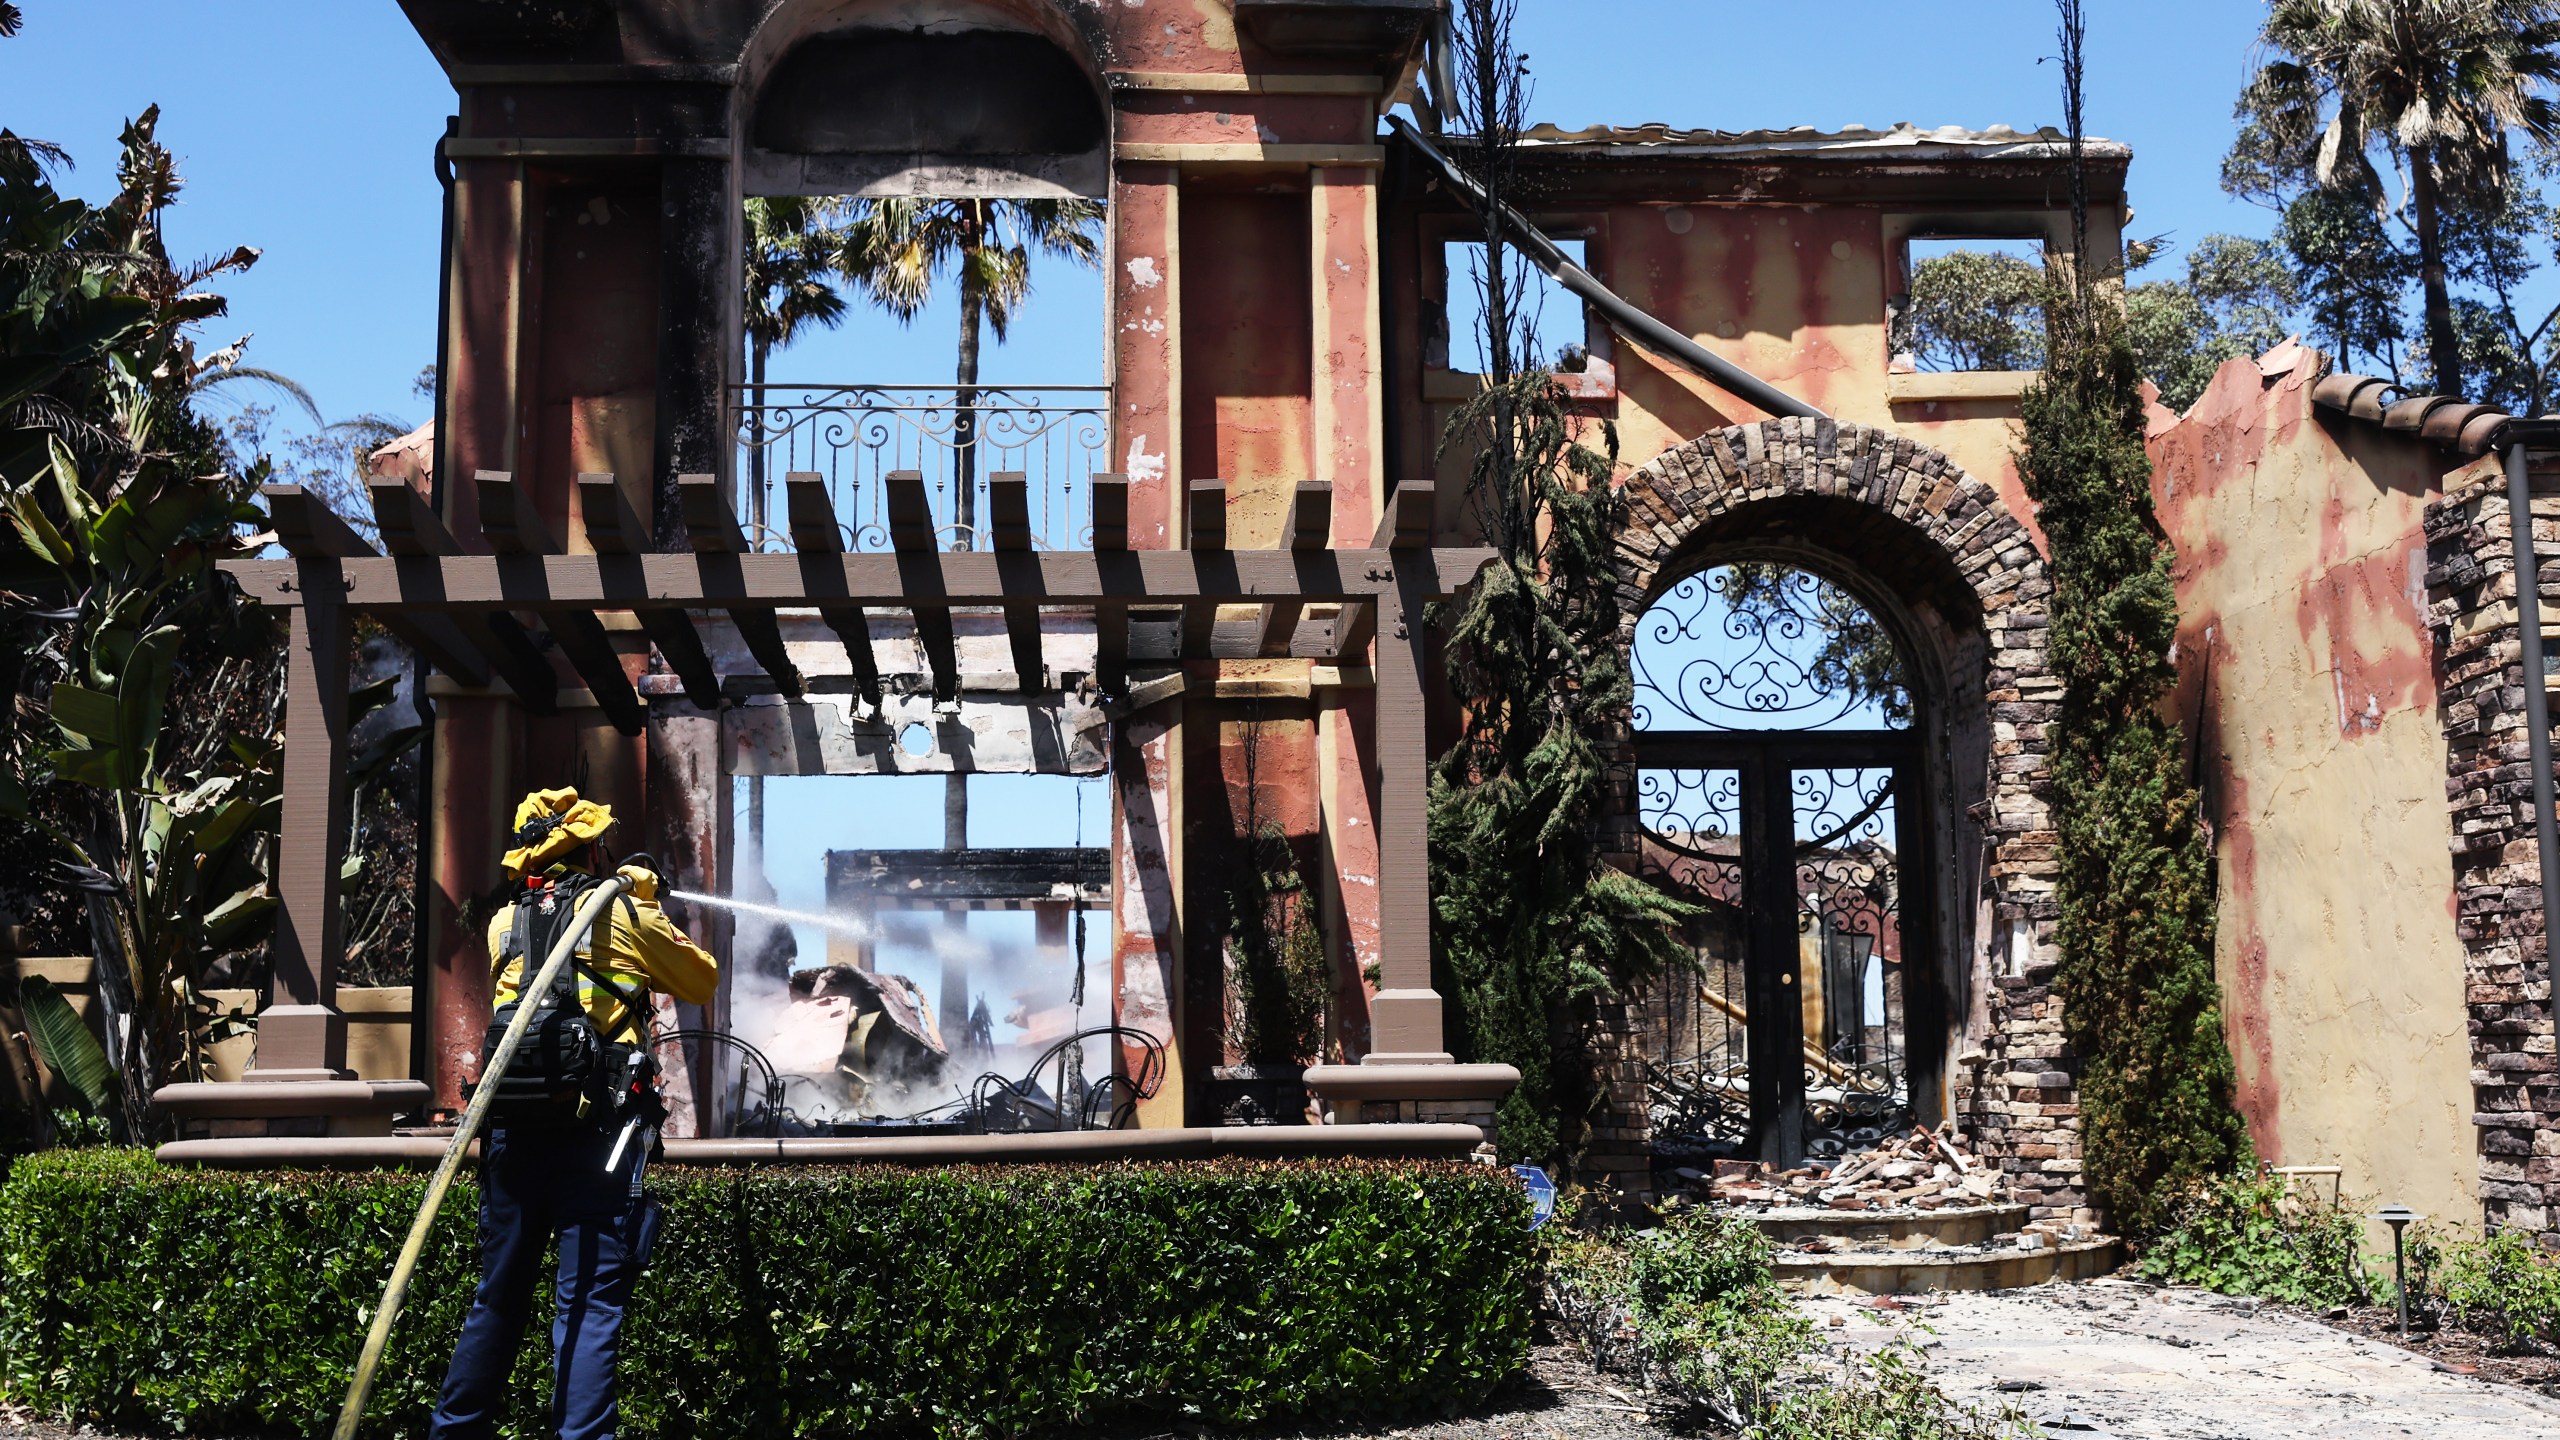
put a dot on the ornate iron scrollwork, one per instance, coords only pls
(1848, 880)
(1057, 435)
(1761, 647)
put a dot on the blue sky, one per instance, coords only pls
(307, 128)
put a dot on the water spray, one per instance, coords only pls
(851, 925)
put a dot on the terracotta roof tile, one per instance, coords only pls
(2445, 420)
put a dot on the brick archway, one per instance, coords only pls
(1944, 560)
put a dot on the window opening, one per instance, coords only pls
(1549, 317)
(871, 364)
(1971, 305)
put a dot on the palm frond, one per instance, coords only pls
(207, 383)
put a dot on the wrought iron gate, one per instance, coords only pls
(1780, 792)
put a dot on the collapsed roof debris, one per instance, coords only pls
(1924, 1170)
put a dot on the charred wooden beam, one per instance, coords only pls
(815, 532)
(1307, 526)
(969, 879)
(308, 528)
(509, 520)
(613, 528)
(911, 537)
(719, 542)
(1009, 517)
(410, 528)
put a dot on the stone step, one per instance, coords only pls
(1995, 1265)
(1889, 1229)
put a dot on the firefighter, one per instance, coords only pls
(572, 1125)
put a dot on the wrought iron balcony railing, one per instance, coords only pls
(1057, 436)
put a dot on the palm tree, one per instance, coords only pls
(895, 249)
(794, 255)
(795, 249)
(2435, 84)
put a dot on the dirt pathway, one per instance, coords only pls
(2114, 1358)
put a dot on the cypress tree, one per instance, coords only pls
(1532, 926)
(2140, 1004)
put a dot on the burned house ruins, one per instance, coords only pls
(621, 561)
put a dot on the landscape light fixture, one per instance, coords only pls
(2399, 1218)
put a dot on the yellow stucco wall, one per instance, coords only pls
(2303, 643)
(1795, 294)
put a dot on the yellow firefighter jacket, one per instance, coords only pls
(641, 949)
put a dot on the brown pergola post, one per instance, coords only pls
(1404, 1016)
(301, 1035)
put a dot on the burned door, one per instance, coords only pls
(1780, 794)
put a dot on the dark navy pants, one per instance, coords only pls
(536, 1183)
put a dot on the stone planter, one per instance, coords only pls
(1257, 1095)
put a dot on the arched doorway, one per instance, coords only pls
(1868, 834)
(1780, 791)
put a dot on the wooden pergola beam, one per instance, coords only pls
(719, 542)
(308, 528)
(1110, 620)
(411, 529)
(614, 528)
(815, 531)
(513, 526)
(1307, 526)
(1206, 536)
(800, 581)
(1009, 522)
(911, 541)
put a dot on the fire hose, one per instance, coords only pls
(473, 1116)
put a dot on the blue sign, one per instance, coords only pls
(1542, 1194)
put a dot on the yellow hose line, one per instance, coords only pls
(472, 1118)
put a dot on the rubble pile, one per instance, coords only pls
(1924, 1170)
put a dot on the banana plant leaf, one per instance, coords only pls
(64, 1043)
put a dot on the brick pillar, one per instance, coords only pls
(2471, 606)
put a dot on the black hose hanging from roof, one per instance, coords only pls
(1624, 318)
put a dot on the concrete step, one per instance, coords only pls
(1890, 1229)
(1911, 1252)
(1916, 1272)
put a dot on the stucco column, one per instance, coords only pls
(301, 1035)
(476, 735)
(1350, 389)
(472, 796)
(1350, 445)
(698, 205)
(1346, 733)
(1146, 348)
(1146, 857)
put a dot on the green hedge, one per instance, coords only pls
(959, 1302)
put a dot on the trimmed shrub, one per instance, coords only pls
(955, 1302)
